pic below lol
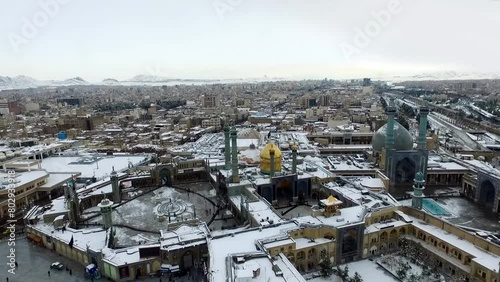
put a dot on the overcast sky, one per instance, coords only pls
(97, 39)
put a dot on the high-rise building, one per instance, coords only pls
(324, 100)
(311, 102)
(71, 101)
(367, 81)
(7, 108)
(210, 100)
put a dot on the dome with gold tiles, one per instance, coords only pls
(265, 158)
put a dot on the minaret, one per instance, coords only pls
(422, 132)
(389, 140)
(418, 188)
(391, 111)
(74, 205)
(105, 206)
(234, 152)
(117, 194)
(294, 158)
(271, 154)
(242, 206)
(227, 148)
(422, 142)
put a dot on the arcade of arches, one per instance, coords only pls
(385, 232)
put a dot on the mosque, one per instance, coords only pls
(275, 181)
(395, 154)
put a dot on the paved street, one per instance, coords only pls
(34, 262)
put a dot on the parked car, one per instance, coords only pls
(168, 269)
(57, 265)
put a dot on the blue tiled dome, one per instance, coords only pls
(402, 138)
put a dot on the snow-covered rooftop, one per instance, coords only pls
(22, 178)
(56, 179)
(184, 236)
(481, 256)
(101, 168)
(94, 239)
(348, 216)
(242, 242)
(259, 210)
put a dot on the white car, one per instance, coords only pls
(57, 265)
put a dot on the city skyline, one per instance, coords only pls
(225, 39)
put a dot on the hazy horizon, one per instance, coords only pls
(229, 39)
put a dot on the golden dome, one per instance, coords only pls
(265, 158)
(266, 151)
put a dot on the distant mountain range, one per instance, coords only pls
(447, 75)
(24, 82)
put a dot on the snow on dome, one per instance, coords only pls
(373, 183)
(402, 138)
(250, 156)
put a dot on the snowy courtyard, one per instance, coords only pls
(466, 213)
(369, 271)
(151, 212)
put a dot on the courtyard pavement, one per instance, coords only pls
(34, 262)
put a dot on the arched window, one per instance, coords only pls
(311, 253)
(301, 255)
(394, 233)
(402, 231)
(383, 236)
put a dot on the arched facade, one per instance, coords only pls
(285, 189)
(487, 191)
(405, 171)
(405, 166)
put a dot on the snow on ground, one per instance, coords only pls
(466, 213)
(370, 271)
(392, 263)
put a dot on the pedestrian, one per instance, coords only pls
(48, 272)
(70, 272)
(8, 279)
(16, 263)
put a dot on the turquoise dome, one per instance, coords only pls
(402, 138)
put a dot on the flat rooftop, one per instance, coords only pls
(22, 178)
(100, 168)
(243, 242)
